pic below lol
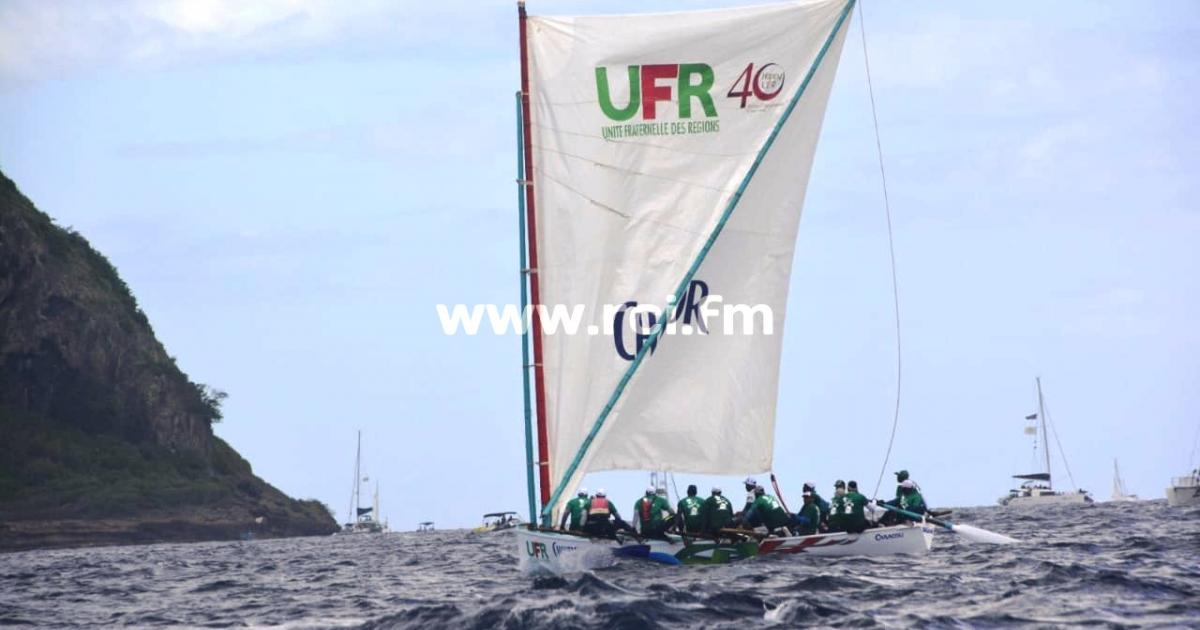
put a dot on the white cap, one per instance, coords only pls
(907, 483)
(600, 492)
(582, 492)
(750, 481)
(649, 489)
(716, 489)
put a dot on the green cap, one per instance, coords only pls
(901, 475)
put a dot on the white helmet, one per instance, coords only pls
(600, 493)
(716, 490)
(750, 481)
(582, 492)
(649, 489)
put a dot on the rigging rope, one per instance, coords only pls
(1054, 430)
(887, 208)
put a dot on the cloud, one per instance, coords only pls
(40, 39)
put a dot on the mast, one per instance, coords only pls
(357, 476)
(539, 384)
(530, 484)
(1117, 490)
(1045, 433)
(353, 513)
(375, 505)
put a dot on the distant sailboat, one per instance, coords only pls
(1119, 491)
(1037, 489)
(362, 520)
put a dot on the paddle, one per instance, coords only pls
(973, 534)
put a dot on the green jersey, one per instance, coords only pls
(913, 502)
(839, 507)
(649, 511)
(810, 517)
(770, 512)
(574, 510)
(847, 512)
(689, 510)
(716, 513)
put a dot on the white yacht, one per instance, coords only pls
(1036, 489)
(1185, 490)
(362, 520)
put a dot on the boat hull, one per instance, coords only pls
(556, 553)
(1042, 500)
(910, 539)
(1181, 496)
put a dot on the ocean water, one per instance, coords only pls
(1110, 565)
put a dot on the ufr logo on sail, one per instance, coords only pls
(656, 91)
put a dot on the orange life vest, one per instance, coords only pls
(644, 506)
(598, 507)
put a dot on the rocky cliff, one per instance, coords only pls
(97, 422)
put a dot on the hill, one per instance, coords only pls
(103, 439)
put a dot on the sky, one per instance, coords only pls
(289, 187)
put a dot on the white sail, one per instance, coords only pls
(628, 192)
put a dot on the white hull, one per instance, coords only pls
(548, 552)
(1181, 496)
(544, 552)
(910, 539)
(1043, 500)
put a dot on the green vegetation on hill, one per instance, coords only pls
(49, 470)
(103, 438)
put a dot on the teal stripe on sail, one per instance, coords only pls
(524, 306)
(656, 332)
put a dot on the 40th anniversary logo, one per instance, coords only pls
(689, 86)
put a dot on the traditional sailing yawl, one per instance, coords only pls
(663, 165)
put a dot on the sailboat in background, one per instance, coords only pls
(1037, 488)
(1185, 490)
(1119, 491)
(362, 520)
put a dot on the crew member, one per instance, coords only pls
(743, 515)
(767, 510)
(838, 507)
(910, 500)
(602, 518)
(574, 510)
(855, 521)
(822, 504)
(809, 516)
(901, 477)
(690, 508)
(717, 512)
(648, 514)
